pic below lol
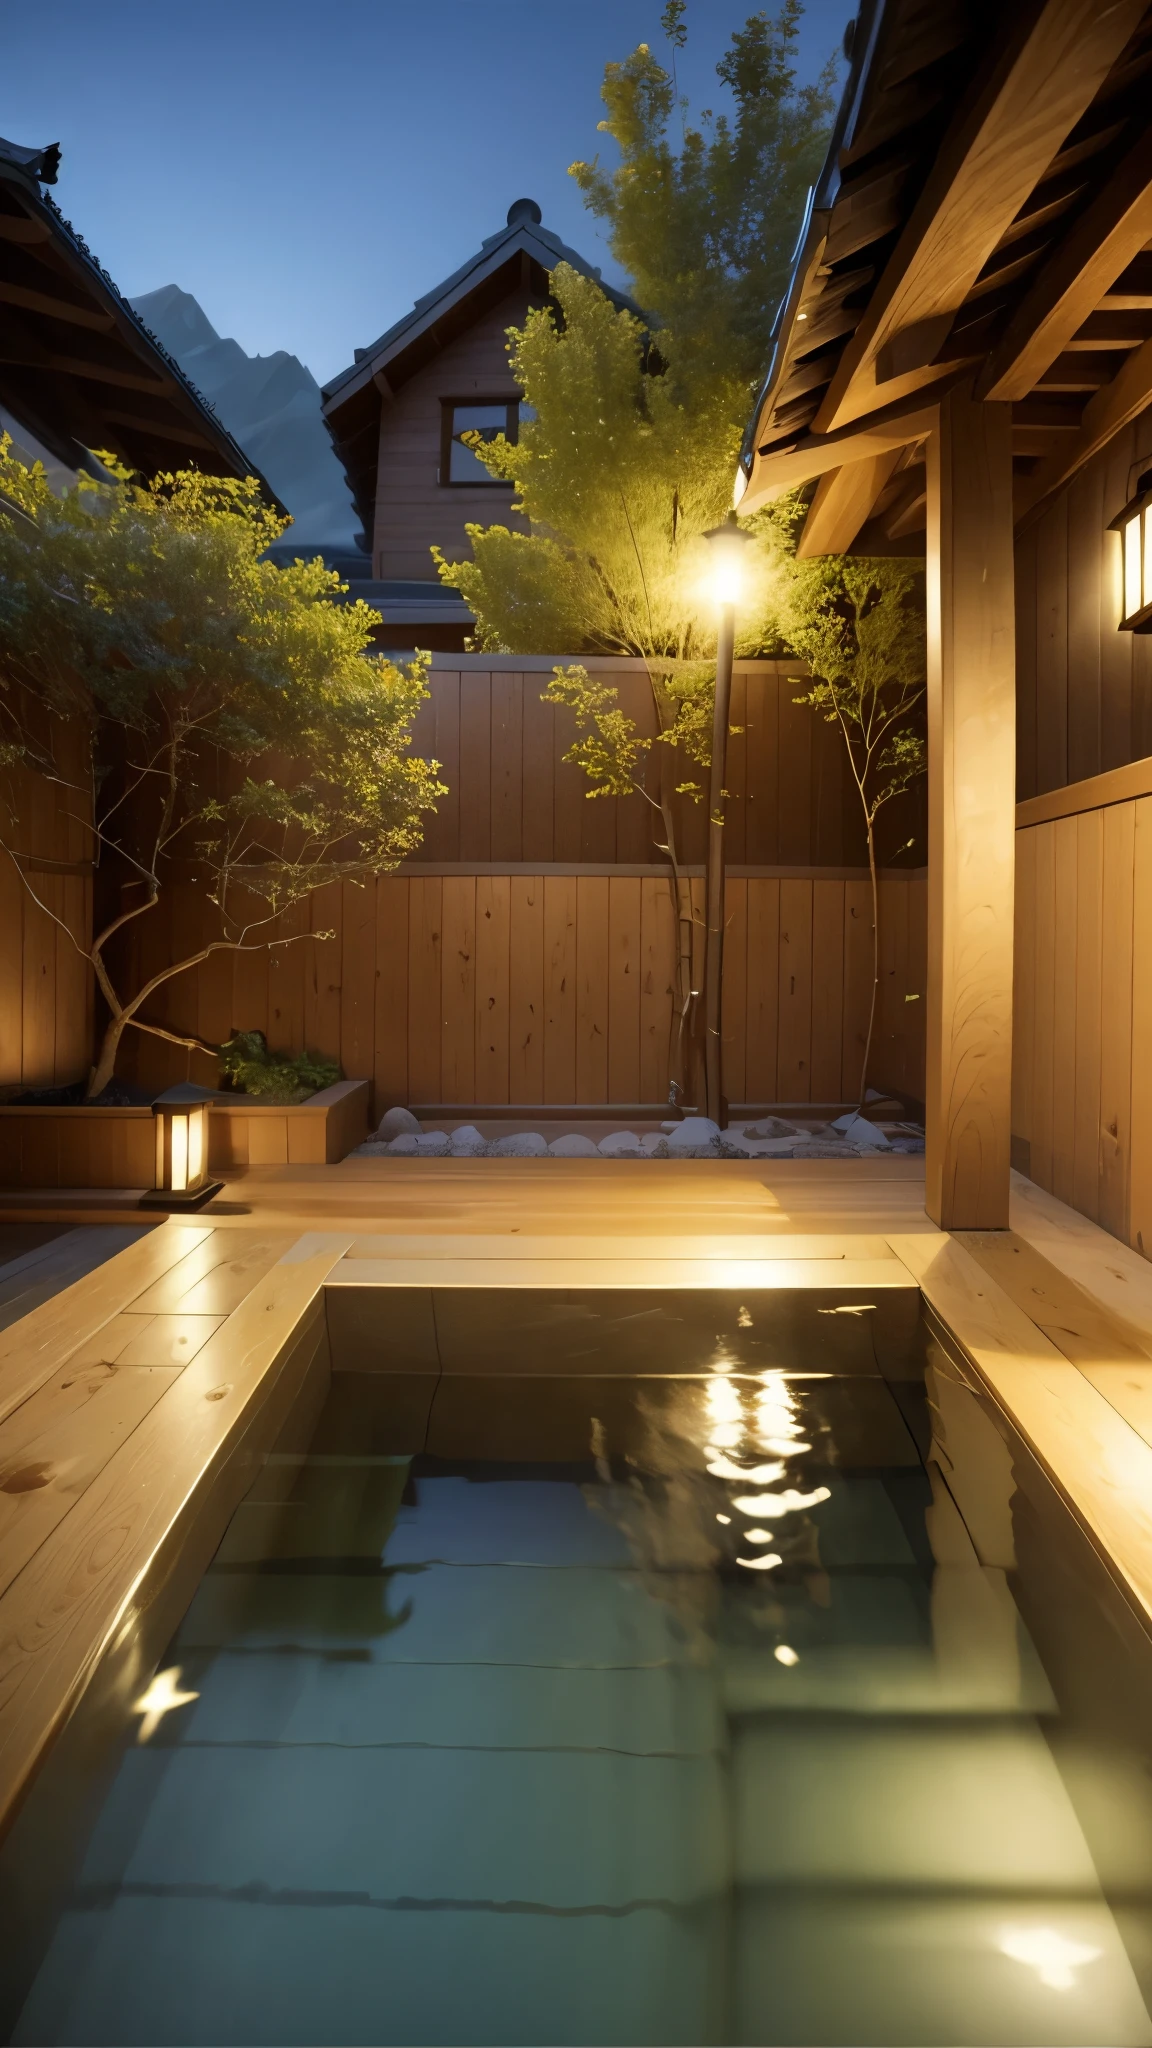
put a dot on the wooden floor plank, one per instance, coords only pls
(151, 1517)
(35, 1347)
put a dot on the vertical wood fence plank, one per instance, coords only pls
(762, 1035)
(38, 1026)
(493, 925)
(857, 983)
(1044, 1007)
(624, 978)
(475, 766)
(761, 751)
(538, 772)
(592, 988)
(526, 989)
(322, 979)
(1116, 1016)
(12, 894)
(358, 981)
(458, 989)
(560, 988)
(657, 984)
(827, 990)
(1064, 1013)
(736, 777)
(795, 1056)
(734, 991)
(795, 785)
(570, 788)
(890, 1063)
(425, 1009)
(250, 979)
(1140, 1218)
(508, 767)
(442, 829)
(390, 1055)
(1089, 914)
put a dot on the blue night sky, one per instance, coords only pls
(306, 172)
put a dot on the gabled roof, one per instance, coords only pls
(985, 210)
(523, 250)
(78, 366)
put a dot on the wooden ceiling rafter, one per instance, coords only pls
(1040, 82)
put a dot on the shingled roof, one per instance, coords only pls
(78, 367)
(352, 402)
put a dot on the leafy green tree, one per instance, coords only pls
(706, 232)
(859, 624)
(627, 454)
(233, 729)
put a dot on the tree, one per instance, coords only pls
(706, 233)
(628, 450)
(859, 624)
(234, 728)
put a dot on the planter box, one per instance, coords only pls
(83, 1147)
(248, 1132)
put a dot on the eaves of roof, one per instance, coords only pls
(22, 172)
(538, 243)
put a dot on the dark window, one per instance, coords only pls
(488, 417)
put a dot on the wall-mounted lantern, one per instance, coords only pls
(181, 1120)
(1134, 526)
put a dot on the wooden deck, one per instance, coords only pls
(134, 1402)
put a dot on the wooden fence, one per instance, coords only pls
(526, 956)
(540, 988)
(46, 992)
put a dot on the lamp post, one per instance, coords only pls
(727, 544)
(181, 1123)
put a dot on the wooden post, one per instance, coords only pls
(971, 813)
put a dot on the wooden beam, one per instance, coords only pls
(1111, 409)
(844, 500)
(971, 814)
(56, 309)
(1100, 245)
(775, 471)
(1095, 793)
(1054, 55)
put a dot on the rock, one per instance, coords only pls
(654, 1145)
(404, 1147)
(573, 1146)
(434, 1145)
(694, 1130)
(820, 1149)
(732, 1146)
(620, 1145)
(467, 1143)
(398, 1123)
(521, 1145)
(768, 1127)
(859, 1132)
(371, 1149)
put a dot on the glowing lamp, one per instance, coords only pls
(727, 544)
(181, 1122)
(1135, 530)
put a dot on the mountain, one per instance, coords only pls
(272, 406)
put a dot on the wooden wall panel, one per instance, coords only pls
(46, 989)
(1082, 1082)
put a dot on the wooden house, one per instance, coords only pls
(78, 367)
(963, 365)
(397, 415)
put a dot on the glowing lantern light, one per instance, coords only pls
(181, 1122)
(1132, 524)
